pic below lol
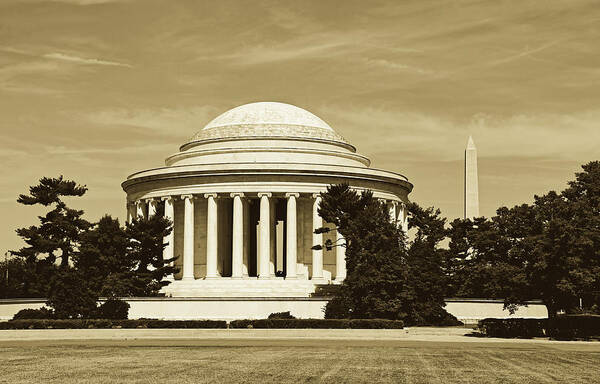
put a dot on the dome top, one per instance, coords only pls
(267, 113)
(267, 120)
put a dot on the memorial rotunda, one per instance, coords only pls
(243, 195)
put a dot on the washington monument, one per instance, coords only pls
(471, 185)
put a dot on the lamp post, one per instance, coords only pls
(6, 274)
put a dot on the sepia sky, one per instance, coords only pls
(99, 89)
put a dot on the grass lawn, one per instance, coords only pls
(296, 361)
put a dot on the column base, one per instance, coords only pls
(295, 277)
(188, 278)
(264, 277)
(319, 280)
(212, 277)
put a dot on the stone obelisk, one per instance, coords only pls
(471, 184)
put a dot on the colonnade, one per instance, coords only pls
(148, 207)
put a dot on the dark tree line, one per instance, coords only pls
(548, 250)
(388, 276)
(72, 262)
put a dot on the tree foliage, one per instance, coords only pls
(548, 250)
(386, 277)
(59, 232)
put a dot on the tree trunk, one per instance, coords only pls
(552, 310)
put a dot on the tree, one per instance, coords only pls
(375, 256)
(145, 253)
(71, 295)
(426, 280)
(103, 259)
(60, 229)
(548, 250)
(125, 261)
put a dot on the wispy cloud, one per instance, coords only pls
(428, 137)
(82, 60)
(180, 122)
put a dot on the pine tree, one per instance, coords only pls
(59, 231)
(145, 252)
(375, 284)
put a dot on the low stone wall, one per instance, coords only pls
(468, 311)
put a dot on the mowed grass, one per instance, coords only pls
(296, 361)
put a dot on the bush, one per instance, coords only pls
(318, 323)
(513, 328)
(41, 313)
(114, 309)
(71, 296)
(562, 327)
(281, 315)
(574, 327)
(108, 323)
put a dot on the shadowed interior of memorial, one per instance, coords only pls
(243, 195)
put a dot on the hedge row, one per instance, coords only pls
(319, 323)
(105, 323)
(562, 327)
(513, 328)
(574, 327)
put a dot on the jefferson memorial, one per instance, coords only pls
(243, 194)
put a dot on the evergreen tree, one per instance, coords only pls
(426, 278)
(103, 259)
(145, 253)
(60, 229)
(71, 295)
(375, 284)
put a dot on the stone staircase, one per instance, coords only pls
(250, 287)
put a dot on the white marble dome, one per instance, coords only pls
(266, 119)
(267, 113)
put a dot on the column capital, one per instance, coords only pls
(290, 194)
(234, 194)
(316, 195)
(213, 195)
(165, 198)
(149, 199)
(267, 194)
(187, 196)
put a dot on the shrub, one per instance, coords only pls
(71, 296)
(281, 315)
(513, 328)
(108, 323)
(574, 327)
(318, 323)
(114, 309)
(562, 327)
(41, 313)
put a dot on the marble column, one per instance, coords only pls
(340, 257)
(140, 209)
(211, 236)
(405, 219)
(291, 251)
(237, 246)
(317, 255)
(188, 237)
(152, 207)
(265, 236)
(131, 211)
(246, 246)
(392, 211)
(169, 251)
